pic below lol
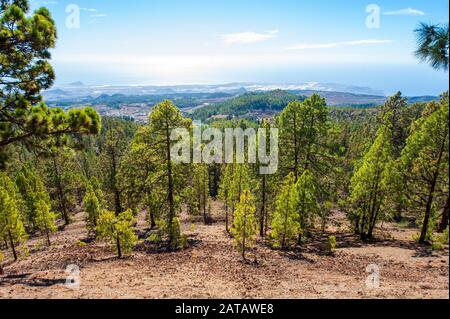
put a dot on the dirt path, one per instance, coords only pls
(211, 268)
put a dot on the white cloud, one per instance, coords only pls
(332, 45)
(89, 9)
(99, 15)
(94, 13)
(407, 12)
(248, 37)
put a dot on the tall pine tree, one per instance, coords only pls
(306, 202)
(45, 219)
(25, 43)
(369, 184)
(285, 223)
(11, 224)
(425, 163)
(244, 223)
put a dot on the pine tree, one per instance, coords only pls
(240, 181)
(396, 106)
(433, 44)
(32, 190)
(200, 188)
(425, 163)
(154, 204)
(24, 50)
(11, 224)
(45, 219)
(305, 201)
(265, 188)
(158, 173)
(135, 176)
(64, 180)
(118, 231)
(94, 183)
(285, 223)
(92, 208)
(369, 184)
(224, 191)
(164, 118)
(303, 127)
(112, 148)
(290, 137)
(399, 120)
(244, 224)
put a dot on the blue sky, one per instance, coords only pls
(266, 41)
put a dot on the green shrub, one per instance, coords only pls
(82, 244)
(437, 246)
(443, 238)
(331, 244)
(118, 231)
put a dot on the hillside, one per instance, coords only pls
(183, 100)
(211, 268)
(248, 105)
(255, 105)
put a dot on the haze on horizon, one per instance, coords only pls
(172, 42)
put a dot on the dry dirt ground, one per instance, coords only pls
(211, 268)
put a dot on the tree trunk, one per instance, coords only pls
(13, 248)
(263, 208)
(308, 152)
(226, 215)
(357, 232)
(266, 221)
(48, 237)
(119, 249)
(117, 202)
(372, 220)
(283, 241)
(398, 216)
(426, 221)
(205, 196)
(373, 223)
(152, 219)
(61, 198)
(243, 238)
(216, 181)
(302, 226)
(444, 221)
(170, 196)
(295, 148)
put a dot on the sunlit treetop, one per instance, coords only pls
(25, 41)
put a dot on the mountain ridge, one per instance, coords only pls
(78, 90)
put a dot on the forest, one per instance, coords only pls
(271, 102)
(76, 188)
